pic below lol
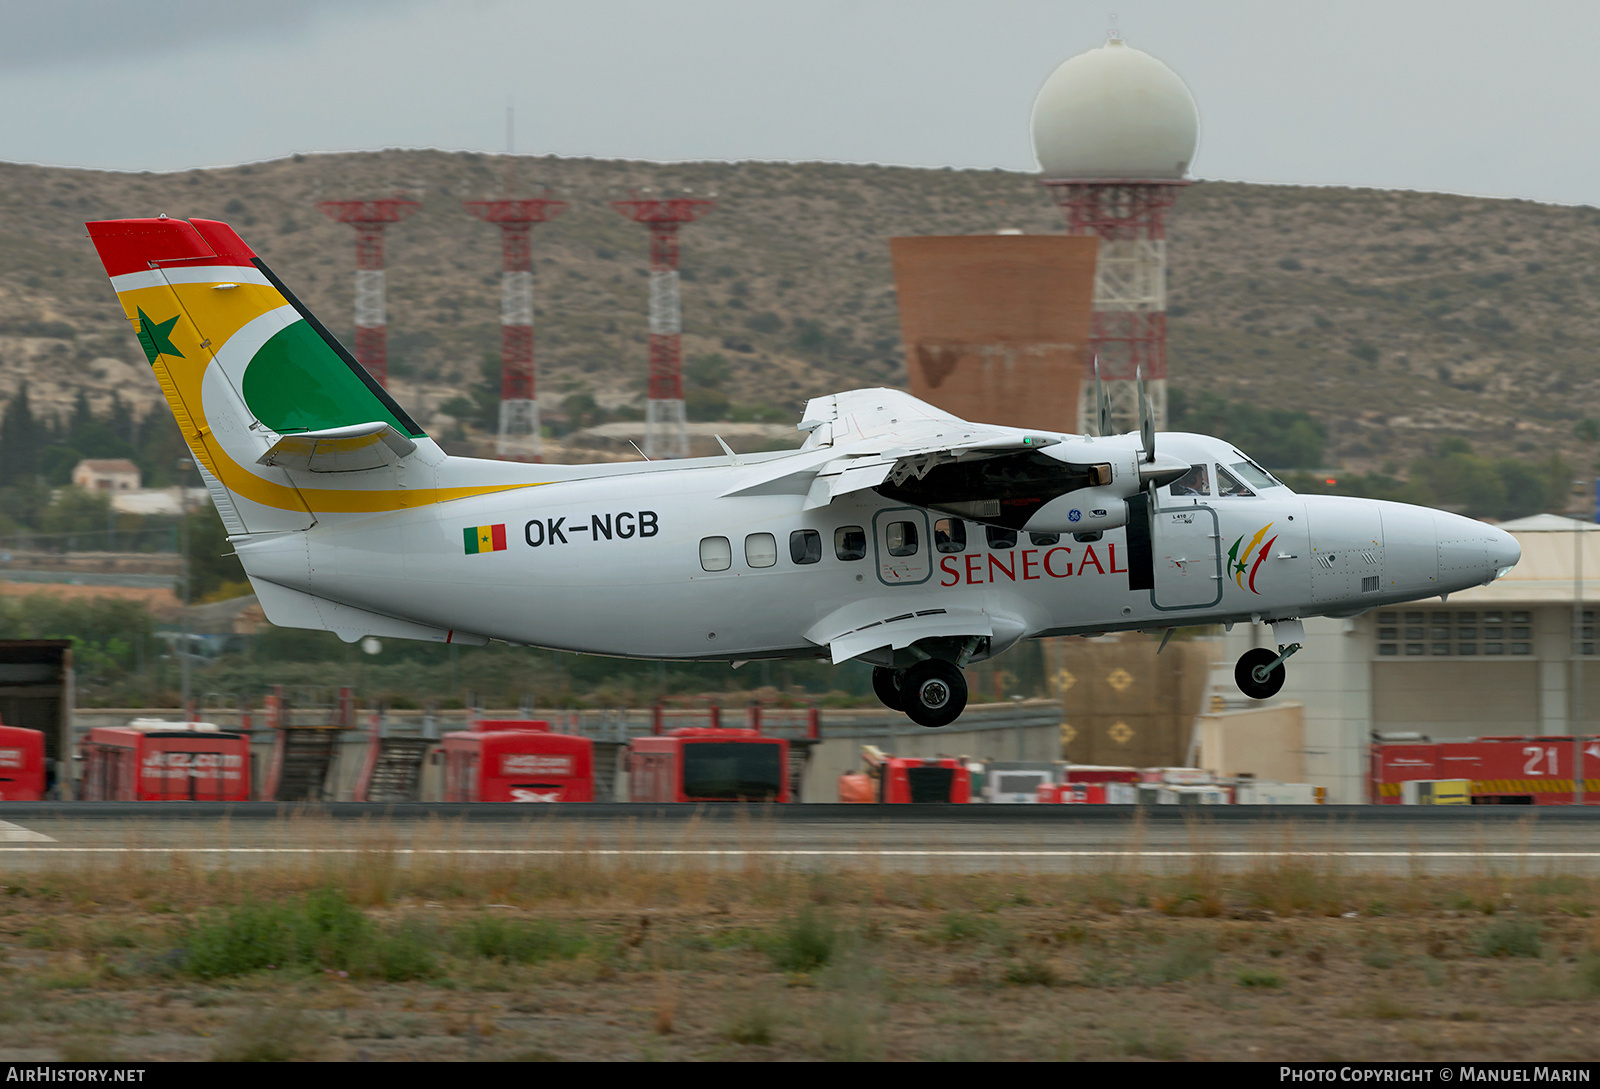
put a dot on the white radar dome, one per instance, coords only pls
(1115, 112)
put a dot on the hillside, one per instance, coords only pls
(1395, 318)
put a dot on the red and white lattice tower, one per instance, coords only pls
(1115, 131)
(519, 398)
(369, 218)
(666, 433)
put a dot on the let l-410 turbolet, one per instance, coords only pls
(898, 534)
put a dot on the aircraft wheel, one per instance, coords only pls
(1247, 676)
(886, 686)
(934, 693)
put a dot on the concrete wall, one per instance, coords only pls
(1331, 678)
(1265, 742)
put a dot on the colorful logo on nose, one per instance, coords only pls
(1241, 565)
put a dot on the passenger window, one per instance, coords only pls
(850, 542)
(1197, 481)
(950, 535)
(901, 538)
(1045, 540)
(1000, 538)
(761, 550)
(1228, 484)
(716, 554)
(1087, 538)
(805, 546)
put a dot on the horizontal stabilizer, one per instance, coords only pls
(296, 609)
(340, 449)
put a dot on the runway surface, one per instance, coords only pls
(1351, 839)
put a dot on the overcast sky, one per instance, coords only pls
(1466, 96)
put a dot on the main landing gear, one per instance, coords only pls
(1260, 673)
(932, 692)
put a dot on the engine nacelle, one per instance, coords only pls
(1086, 510)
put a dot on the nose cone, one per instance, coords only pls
(1472, 553)
(1504, 550)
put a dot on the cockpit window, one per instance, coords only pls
(1228, 484)
(1255, 475)
(1197, 481)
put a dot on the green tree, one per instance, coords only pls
(211, 558)
(708, 371)
(19, 440)
(77, 511)
(1279, 439)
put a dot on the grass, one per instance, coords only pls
(1189, 958)
(271, 1036)
(750, 1019)
(804, 943)
(1252, 977)
(498, 959)
(520, 941)
(319, 931)
(1509, 938)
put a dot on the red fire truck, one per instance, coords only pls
(152, 761)
(1499, 770)
(22, 776)
(708, 764)
(905, 779)
(517, 760)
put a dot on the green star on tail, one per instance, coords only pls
(156, 337)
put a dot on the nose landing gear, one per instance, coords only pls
(1260, 673)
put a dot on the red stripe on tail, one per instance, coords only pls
(137, 245)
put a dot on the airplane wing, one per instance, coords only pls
(910, 451)
(862, 438)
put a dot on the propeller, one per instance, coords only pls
(1102, 400)
(1147, 418)
(1157, 469)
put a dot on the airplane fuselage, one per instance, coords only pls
(661, 564)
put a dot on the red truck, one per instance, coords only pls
(708, 764)
(22, 774)
(905, 779)
(517, 760)
(1499, 770)
(152, 761)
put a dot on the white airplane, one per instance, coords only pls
(898, 534)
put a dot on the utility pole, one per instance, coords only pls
(185, 464)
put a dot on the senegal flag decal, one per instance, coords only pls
(484, 539)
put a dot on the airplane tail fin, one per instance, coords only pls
(259, 388)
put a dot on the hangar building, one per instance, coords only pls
(1501, 659)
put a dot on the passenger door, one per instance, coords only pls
(903, 546)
